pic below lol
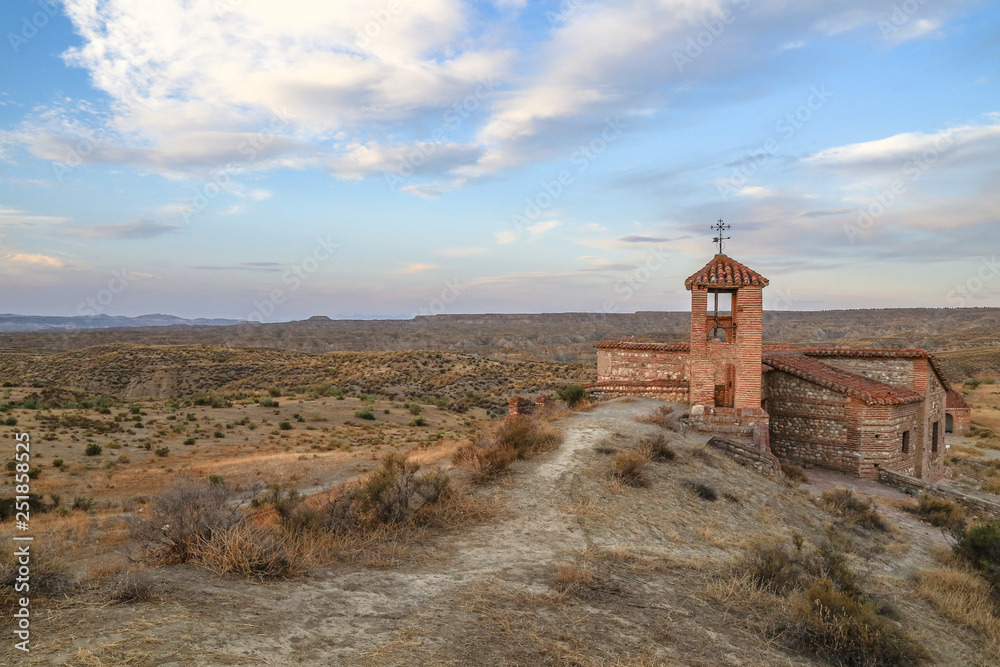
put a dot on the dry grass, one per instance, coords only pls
(253, 552)
(853, 510)
(941, 512)
(964, 597)
(571, 576)
(663, 417)
(517, 438)
(628, 467)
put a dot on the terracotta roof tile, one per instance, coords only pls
(724, 271)
(640, 345)
(808, 368)
(956, 401)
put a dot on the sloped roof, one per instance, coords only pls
(630, 344)
(956, 401)
(870, 391)
(724, 271)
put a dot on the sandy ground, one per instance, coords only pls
(488, 596)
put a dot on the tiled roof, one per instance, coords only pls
(956, 401)
(724, 271)
(640, 345)
(815, 371)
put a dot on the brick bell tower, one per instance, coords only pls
(727, 330)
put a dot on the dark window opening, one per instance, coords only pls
(906, 442)
(934, 436)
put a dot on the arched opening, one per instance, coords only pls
(949, 423)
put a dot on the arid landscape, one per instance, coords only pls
(602, 535)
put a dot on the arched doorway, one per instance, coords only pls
(949, 423)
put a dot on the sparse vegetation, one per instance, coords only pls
(93, 449)
(941, 512)
(572, 394)
(628, 467)
(853, 510)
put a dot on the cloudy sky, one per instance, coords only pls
(267, 160)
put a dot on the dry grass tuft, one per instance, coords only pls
(517, 438)
(702, 490)
(132, 586)
(853, 510)
(656, 448)
(794, 473)
(964, 597)
(571, 576)
(663, 417)
(628, 467)
(941, 512)
(251, 551)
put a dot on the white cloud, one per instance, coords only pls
(506, 237)
(540, 228)
(755, 191)
(34, 260)
(416, 267)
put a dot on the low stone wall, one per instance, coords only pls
(748, 455)
(519, 405)
(914, 486)
(666, 391)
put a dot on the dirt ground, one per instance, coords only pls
(577, 568)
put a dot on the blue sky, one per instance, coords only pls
(261, 160)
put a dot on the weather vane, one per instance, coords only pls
(720, 239)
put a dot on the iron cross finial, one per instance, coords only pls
(720, 227)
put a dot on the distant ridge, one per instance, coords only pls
(9, 322)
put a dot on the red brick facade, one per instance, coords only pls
(958, 414)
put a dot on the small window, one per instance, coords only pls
(934, 436)
(906, 442)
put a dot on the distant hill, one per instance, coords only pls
(967, 339)
(50, 323)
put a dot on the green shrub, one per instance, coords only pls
(980, 546)
(414, 409)
(285, 426)
(10, 421)
(162, 451)
(419, 421)
(220, 434)
(57, 463)
(365, 413)
(83, 503)
(572, 394)
(93, 449)
(189, 441)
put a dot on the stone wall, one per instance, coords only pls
(961, 420)
(912, 485)
(677, 392)
(878, 437)
(614, 364)
(896, 372)
(748, 455)
(809, 423)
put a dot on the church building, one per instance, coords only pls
(851, 410)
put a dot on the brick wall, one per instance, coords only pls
(702, 373)
(878, 437)
(961, 420)
(748, 314)
(932, 462)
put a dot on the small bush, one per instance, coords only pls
(419, 421)
(220, 434)
(572, 394)
(189, 441)
(857, 511)
(517, 438)
(181, 517)
(628, 467)
(365, 413)
(657, 449)
(847, 630)
(267, 402)
(941, 512)
(131, 587)
(663, 417)
(794, 473)
(702, 490)
(414, 409)
(285, 426)
(10, 421)
(83, 503)
(250, 551)
(162, 451)
(274, 391)
(93, 449)
(980, 547)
